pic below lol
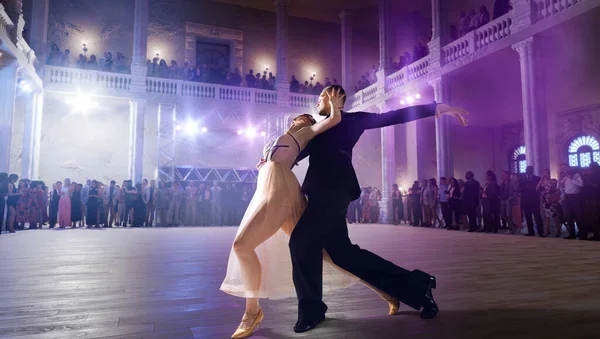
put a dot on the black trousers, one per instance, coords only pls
(417, 211)
(491, 215)
(533, 210)
(447, 213)
(323, 226)
(53, 215)
(573, 207)
(471, 211)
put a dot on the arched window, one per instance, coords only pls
(518, 162)
(583, 150)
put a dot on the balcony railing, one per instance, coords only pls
(6, 24)
(87, 78)
(303, 100)
(548, 8)
(493, 31)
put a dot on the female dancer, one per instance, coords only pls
(259, 262)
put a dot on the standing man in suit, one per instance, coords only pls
(331, 184)
(530, 198)
(472, 195)
(110, 198)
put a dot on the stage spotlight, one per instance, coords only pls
(251, 132)
(204, 129)
(190, 128)
(418, 96)
(263, 133)
(178, 128)
(240, 132)
(402, 102)
(410, 100)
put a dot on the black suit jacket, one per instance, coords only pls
(529, 190)
(330, 153)
(472, 192)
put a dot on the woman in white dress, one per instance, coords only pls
(259, 263)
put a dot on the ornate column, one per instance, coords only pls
(140, 46)
(32, 136)
(137, 109)
(282, 83)
(39, 28)
(535, 124)
(388, 168)
(347, 55)
(137, 105)
(435, 45)
(445, 165)
(14, 9)
(385, 46)
(8, 88)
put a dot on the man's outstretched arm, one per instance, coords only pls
(400, 116)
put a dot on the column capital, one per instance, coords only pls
(346, 15)
(524, 47)
(382, 107)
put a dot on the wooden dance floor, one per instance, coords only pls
(163, 283)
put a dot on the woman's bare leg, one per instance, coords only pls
(259, 228)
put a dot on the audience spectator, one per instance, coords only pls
(501, 7)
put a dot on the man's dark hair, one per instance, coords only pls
(113, 182)
(334, 87)
(469, 175)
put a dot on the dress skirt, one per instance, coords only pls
(278, 190)
(64, 211)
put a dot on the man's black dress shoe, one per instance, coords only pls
(305, 325)
(430, 308)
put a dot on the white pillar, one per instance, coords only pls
(31, 136)
(137, 109)
(347, 55)
(282, 81)
(140, 46)
(385, 46)
(388, 168)
(535, 124)
(436, 16)
(435, 45)
(39, 28)
(8, 87)
(445, 165)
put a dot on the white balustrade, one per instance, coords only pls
(199, 90)
(458, 48)
(369, 93)
(356, 99)
(397, 79)
(263, 96)
(87, 78)
(235, 93)
(163, 86)
(6, 24)
(418, 68)
(303, 100)
(493, 31)
(547, 8)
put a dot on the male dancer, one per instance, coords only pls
(330, 185)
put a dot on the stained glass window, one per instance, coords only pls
(583, 150)
(518, 160)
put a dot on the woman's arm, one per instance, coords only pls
(335, 116)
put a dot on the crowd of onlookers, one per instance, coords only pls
(309, 88)
(93, 204)
(543, 204)
(471, 20)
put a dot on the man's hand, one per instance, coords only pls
(261, 163)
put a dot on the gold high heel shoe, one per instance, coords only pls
(246, 332)
(394, 306)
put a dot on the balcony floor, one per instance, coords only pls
(163, 283)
